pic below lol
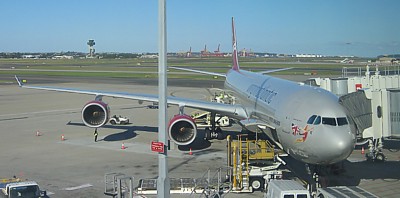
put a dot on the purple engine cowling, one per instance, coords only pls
(182, 129)
(95, 114)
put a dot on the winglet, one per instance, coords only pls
(18, 81)
(235, 61)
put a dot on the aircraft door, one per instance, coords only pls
(288, 119)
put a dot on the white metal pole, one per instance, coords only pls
(163, 184)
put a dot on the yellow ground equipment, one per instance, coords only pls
(253, 163)
(10, 180)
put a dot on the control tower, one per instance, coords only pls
(91, 43)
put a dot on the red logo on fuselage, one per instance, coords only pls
(297, 131)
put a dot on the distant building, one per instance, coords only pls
(30, 56)
(62, 57)
(149, 56)
(308, 56)
(387, 60)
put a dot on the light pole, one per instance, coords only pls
(163, 184)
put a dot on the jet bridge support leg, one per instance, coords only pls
(375, 150)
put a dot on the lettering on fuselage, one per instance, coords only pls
(261, 93)
(274, 121)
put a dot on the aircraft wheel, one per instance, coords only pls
(217, 196)
(257, 183)
(207, 133)
(113, 122)
(380, 157)
(220, 135)
(369, 156)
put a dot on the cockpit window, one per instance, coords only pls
(329, 121)
(342, 121)
(311, 119)
(314, 119)
(318, 120)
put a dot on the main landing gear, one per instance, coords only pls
(213, 132)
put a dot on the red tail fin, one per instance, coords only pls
(235, 63)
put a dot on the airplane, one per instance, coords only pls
(308, 123)
(346, 60)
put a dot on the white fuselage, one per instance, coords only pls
(308, 122)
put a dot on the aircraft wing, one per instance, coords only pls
(233, 111)
(274, 70)
(198, 71)
(253, 124)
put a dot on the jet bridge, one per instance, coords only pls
(372, 102)
(375, 112)
(359, 107)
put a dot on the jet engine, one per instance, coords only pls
(95, 114)
(182, 129)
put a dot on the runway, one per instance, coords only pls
(76, 166)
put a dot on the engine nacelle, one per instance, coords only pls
(182, 129)
(95, 114)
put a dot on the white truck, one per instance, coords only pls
(25, 189)
(286, 189)
(119, 120)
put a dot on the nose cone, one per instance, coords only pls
(339, 146)
(344, 145)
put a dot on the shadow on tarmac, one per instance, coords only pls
(393, 145)
(354, 171)
(129, 132)
(197, 144)
(122, 127)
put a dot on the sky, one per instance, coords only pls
(365, 28)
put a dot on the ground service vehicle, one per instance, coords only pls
(286, 189)
(119, 120)
(25, 189)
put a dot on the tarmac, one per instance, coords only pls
(75, 166)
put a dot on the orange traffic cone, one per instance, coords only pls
(62, 137)
(362, 150)
(123, 146)
(190, 151)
